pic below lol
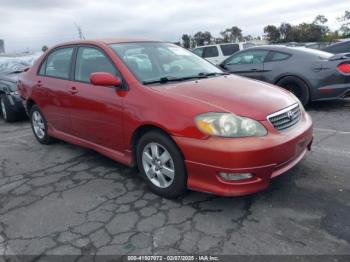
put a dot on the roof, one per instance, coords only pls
(108, 41)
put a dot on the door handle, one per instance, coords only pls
(73, 90)
(254, 69)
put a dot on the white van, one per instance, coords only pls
(218, 53)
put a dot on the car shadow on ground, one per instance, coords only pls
(328, 106)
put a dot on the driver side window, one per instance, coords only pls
(91, 60)
(248, 57)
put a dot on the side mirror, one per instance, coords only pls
(104, 79)
(222, 65)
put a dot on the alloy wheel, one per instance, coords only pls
(38, 125)
(3, 109)
(158, 165)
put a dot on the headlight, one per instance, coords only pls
(14, 93)
(229, 125)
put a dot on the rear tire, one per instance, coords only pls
(39, 126)
(161, 165)
(297, 86)
(7, 111)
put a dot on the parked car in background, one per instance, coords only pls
(337, 48)
(309, 74)
(317, 45)
(218, 53)
(157, 105)
(11, 107)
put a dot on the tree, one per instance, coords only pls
(286, 32)
(320, 20)
(248, 38)
(319, 25)
(272, 34)
(345, 27)
(186, 41)
(202, 38)
(44, 48)
(233, 34)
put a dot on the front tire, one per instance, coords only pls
(39, 126)
(7, 111)
(161, 165)
(297, 86)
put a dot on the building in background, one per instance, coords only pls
(2, 46)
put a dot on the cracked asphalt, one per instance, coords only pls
(64, 199)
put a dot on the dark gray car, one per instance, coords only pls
(309, 74)
(11, 106)
(342, 47)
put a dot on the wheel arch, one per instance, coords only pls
(279, 78)
(29, 104)
(142, 130)
(307, 83)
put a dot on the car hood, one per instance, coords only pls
(238, 95)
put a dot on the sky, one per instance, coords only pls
(30, 24)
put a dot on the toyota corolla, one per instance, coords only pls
(185, 123)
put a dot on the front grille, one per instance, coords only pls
(285, 118)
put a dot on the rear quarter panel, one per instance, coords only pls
(305, 69)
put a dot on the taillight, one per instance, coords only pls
(344, 68)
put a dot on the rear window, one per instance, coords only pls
(278, 56)
(211, 51)
(198, 51)
(228, 50)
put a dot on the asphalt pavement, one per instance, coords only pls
(64, 199)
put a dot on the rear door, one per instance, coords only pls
(248, 63)
(96, 110)
(275, 64)
(51, 90)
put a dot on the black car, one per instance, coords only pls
(11, 104)
(309, 74)
(342, 47)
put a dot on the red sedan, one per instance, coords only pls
(181, 120)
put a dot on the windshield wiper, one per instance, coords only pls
(166, 79)
(213, 74)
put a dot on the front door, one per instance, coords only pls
(96, 111)
(248, 63)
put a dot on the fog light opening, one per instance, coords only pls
(235, 176)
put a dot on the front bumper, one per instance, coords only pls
(16, 104)
(265, 157)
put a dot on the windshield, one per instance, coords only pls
(151, 62)
(16, 64)
(12, 65)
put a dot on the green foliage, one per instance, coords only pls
(233, 34)
(317, 31)
(345, 27)
(272, 33)
(186, 40)
(202, 38)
